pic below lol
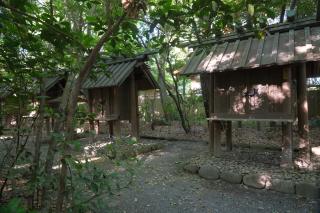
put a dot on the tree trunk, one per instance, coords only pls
(53, 142)
(36, 155)
(283, 10)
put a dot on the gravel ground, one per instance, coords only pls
(160, 188)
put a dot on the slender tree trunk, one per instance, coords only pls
(283, 10)
(53, 142)
(36, 155)
(293, 4)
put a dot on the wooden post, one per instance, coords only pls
(91, 126)
(96, 127)
(134, 110)
(111, 134)
(287, 126)
(117, 112)
(229, 135)
(52, 124)
(303, 126)
(48, 127)
(217, 124)
(211, 110)
(318, 11)
(217, 139)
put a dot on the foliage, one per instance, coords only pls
(13, 207)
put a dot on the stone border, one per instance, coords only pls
(258, 181)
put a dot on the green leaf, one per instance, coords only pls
(250, 9)
(151, 4)
(162, 38)
(83, 180)
(260, 34)
(89, 18)
(70, 162)
(271, 14)
(162, 3)
(278, 4)
(240, 6)
(199, 52)
(114, 175)
(113, 43)
(78, 166)
(94, 187)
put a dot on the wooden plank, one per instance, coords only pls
(252, 55)
(108, 118)
(223, 49)
(283, 48)
(194, 63)
(291, 46)
(234, 50)
(277, 89)
(270, 92)
(208, 59)
(259, 54)
(308, 44)
(216, 92)
(315, 41)
(186, 66)
(245, 53)
(286, 90)
(97, 127)
(275, 45)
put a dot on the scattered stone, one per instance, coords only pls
(257, 146)
(114, 204)
(243, 145)
(231, 177)
(313, 179)
(146, 148)
(181, 167)
(130, 154)
(307, 190)
(209, 172)
(192, 169)
(140, 150)
(280, 186)
(160, 145)
(257, 181)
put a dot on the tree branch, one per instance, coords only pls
(147, 22)
(2, 4)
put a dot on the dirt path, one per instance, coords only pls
(160, 188)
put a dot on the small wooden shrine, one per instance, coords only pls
(115, 98)
(252, 80)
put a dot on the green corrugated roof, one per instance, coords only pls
(120, 71)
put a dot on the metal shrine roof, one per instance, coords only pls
(290, 43)
(120, 69)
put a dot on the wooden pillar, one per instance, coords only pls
(97, 127)
(303, 126)
(91, 126)
(211, 110)
(287, 139)
(117, 112)
(217, 139)
(52, 124)
(111, 134)
(229, 135)
(217, 124)
(134, 110)
(48, 126)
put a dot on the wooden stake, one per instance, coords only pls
(303, 126)
(134, 110)
(97, 127)
(111, 134)
(229, 136)
(211, 110)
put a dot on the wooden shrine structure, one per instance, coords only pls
(252, 80)
(118, 94)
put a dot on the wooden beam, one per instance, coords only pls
(259, 53)
(134, 110)
(303, 126)
(211, 110)
(229, 136)
(308, 44)
(223, 49)
(252, 117)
